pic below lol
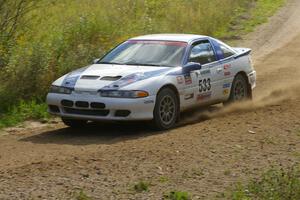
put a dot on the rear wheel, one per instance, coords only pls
(239, 90)
(74, 123)
(166, 109)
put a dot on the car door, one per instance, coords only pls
(227, 67)
(210, 76)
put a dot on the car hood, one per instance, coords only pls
(104, 76)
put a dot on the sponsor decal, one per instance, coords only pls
(204, 85)
(227, 73)
(204, 72)
(227, 66)
(226, 85)
(179, 79)
(226, 69)
(226, 92)
(188, 96)
(204, 96)
(188, 79)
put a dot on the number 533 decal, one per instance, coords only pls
(204, 85)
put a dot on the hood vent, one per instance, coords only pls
(110, 78)
(90, 77)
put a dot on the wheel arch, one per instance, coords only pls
(172, 87)
(244, 74)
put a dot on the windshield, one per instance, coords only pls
(147, 53)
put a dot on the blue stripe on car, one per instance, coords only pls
(133, 78)
(71, 78)
(217, 48)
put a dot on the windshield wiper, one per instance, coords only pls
(143, 64)
(111, 63)
(146, 64)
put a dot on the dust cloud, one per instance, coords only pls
(276, 96)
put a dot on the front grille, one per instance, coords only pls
(86, 112)
(122, 113)
(67, 103)
(97, 105)
(82, 104)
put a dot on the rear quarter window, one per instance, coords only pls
(227, 52)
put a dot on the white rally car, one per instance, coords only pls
(154, 77)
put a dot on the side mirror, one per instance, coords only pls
(191, 66)
(96, 60)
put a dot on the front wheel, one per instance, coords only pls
(74, 123)
(239, 90)
(166, 109)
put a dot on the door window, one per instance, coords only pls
(202, 52)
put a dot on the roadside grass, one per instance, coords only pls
(298, 133)
(227, 172)
(246, 18)
(141, 186)
(277, 184)
(82, 196)
(30, 110)
(163, 179)
(262, 11)
(177, 195)
(296, 155)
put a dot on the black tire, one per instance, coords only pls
(74, 123)
(166, 110)
(239, 90)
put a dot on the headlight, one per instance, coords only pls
(123, 93)
(60, 90)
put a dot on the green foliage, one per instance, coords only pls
(227, 172)
(24, 111)
(276, 184)
(177, 195)
(263, 10)
(141, 186)
(163, 179)
(82, 196)
(258, 13)
(12, 24)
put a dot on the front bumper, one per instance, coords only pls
(138, 109)
(252, 79)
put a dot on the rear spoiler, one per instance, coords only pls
(242, 52)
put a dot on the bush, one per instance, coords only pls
(277, 184)
(82, 196)
(24, 111)
(177, 195)
(141, 186)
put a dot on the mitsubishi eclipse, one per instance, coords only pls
(154, 77)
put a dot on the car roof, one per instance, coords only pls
(171, 37)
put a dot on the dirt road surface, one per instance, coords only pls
(205, 155)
